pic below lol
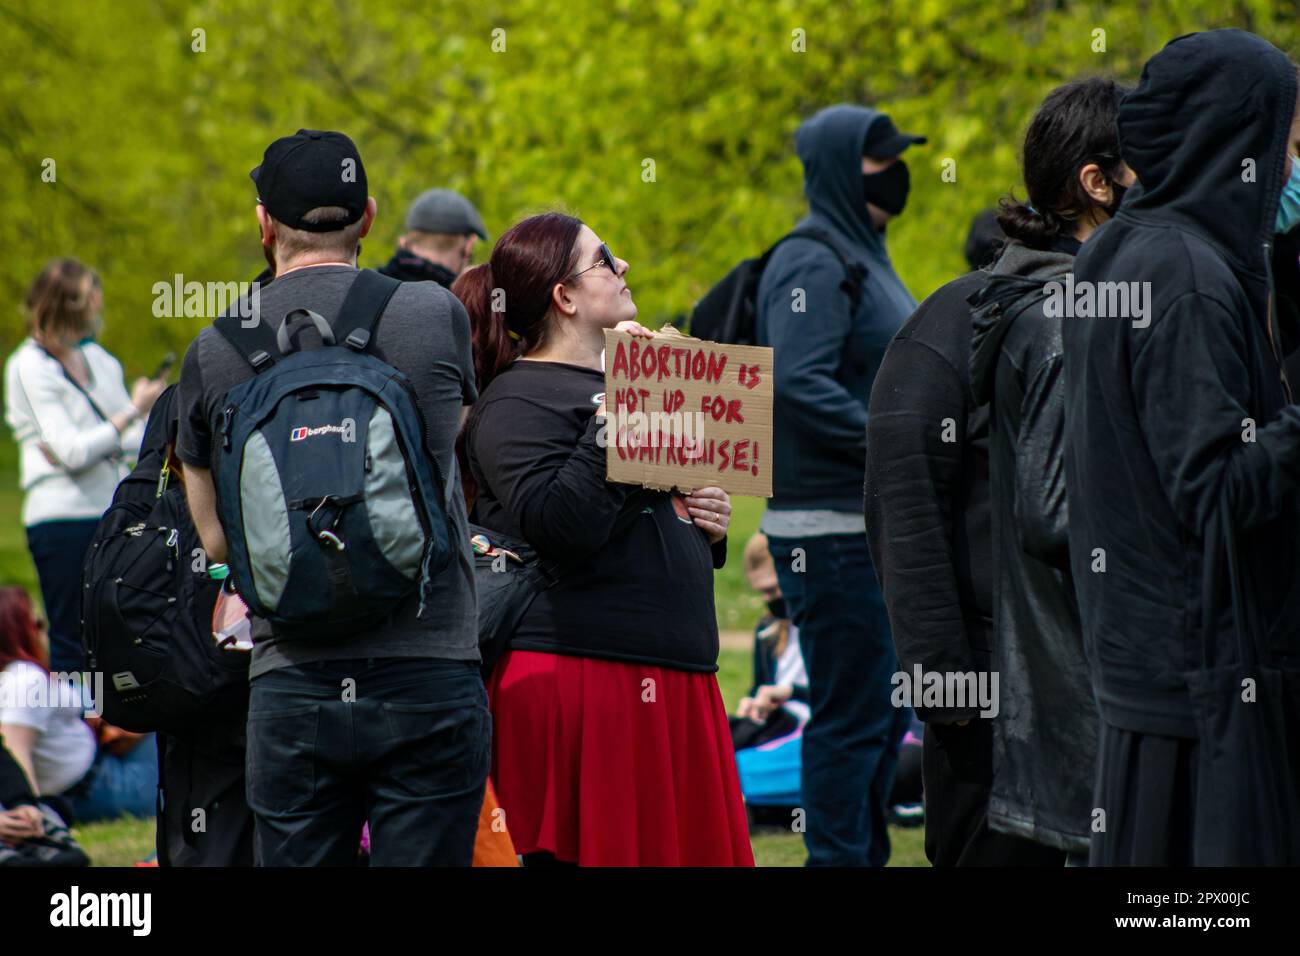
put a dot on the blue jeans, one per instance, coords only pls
(118, 786)
(402, 743)
(850, 744)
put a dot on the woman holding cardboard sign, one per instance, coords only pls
(611, 745)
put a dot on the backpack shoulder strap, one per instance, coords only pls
(362, 308)
(855, 274)
(256, 342)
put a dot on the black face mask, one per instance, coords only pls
(776, 607)
(888, 188)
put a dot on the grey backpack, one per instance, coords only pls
(334, 511)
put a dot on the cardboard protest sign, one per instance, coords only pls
(684, 413)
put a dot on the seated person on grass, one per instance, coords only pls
(98, 771)
(768, 726)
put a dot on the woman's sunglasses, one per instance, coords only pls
(606, 259)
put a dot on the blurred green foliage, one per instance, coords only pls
(153, 141)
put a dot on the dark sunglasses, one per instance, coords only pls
(606, 259)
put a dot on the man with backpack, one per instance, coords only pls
(317, 440)
(829, 305)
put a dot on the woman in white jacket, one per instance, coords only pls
(66, 401)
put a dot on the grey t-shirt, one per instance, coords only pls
(424, 333)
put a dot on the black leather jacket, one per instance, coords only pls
(1045, 733)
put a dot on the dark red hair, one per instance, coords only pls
(511, 292)
(507, 299)
(20, 638)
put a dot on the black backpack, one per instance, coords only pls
(729, 311)
(147, 603)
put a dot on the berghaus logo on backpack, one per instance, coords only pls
(346, 428)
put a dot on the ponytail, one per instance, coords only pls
(493, 346)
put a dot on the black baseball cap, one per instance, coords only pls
(310, 169)
(884, 139)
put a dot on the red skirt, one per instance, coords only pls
(598, 767)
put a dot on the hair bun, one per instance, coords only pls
(1027, 225)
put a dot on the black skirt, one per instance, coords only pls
(1146, 792)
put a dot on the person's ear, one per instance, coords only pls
(563, 300)
(1096, 184)
(368, 217)
(266, 226)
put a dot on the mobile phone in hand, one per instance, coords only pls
(165, 365)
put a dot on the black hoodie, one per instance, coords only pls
(1045, 734)
(1156, 447)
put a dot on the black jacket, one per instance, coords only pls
(826, 355)
(926, 496)
(1045, 733)
(406, 266)
(1158, 440)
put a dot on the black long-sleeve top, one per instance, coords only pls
(636, 578)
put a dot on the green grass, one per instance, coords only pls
(123, 842)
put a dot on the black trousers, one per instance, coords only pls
(203, 814)
(957, 768)
(401, 743)
(58, 551)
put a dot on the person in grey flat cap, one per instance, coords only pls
(441, 229)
